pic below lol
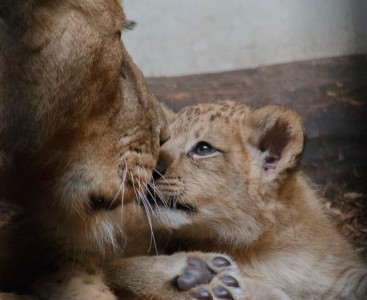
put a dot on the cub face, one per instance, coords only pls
(222, 170)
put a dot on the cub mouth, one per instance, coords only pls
(172, 202)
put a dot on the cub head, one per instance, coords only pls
(220, 173)
(77, 119)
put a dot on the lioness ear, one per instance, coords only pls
(278, 136)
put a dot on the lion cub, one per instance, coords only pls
(231, 184)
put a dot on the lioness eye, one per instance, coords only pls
(202, 149)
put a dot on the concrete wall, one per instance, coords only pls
(176, 37)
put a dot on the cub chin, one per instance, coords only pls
(229, 182)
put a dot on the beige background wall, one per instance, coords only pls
(176, 37)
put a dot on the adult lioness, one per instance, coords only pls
(80, 132)
(79, 135)
(231, 185)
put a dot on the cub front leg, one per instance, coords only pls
(181, 276)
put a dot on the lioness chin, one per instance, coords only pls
(229, 182)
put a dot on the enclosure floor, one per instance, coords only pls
(331, 96)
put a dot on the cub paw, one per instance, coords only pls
(210, 277)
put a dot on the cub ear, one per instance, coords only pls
(278, 136)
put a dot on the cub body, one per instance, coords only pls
(231, 184)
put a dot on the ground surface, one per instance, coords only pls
(331, 96)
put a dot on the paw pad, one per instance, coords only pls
(209, 279)
(196, 273)
(220, 262)
(222, 293)
(196, 262)
(203, 295)
(229, 281)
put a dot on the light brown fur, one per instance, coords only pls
(79, 130)
(251, 202)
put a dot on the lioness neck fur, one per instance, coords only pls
(231, 184)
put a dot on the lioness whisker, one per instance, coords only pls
(123, 189)
(147, 209)
(158, 192)
(162, 176)
(152, 237)
(133, 184)
(153, 196)
(138, 196)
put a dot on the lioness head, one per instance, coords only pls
(222, 170)
(77, 119)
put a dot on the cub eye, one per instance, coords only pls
(202, 149)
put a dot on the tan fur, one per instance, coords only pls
(77, 122)
(253, 203)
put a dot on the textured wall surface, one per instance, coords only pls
(176, 37)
